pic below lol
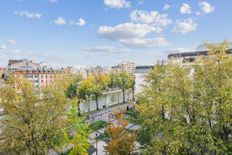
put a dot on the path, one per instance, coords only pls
(104, 114)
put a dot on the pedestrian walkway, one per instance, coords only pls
(105, 114)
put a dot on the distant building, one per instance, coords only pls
(140, 75)
(126, 66)
(97, 70)
(40, 74)
(187, 58)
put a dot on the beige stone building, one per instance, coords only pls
(126, 66)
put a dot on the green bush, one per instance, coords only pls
(103, 137)
(133, 116)
(97, 125)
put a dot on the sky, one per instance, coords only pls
(108, 32)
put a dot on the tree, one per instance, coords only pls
(132, 86)
(96, 84)
(121, 141)
(77, 132)
(74, 92)
(71, 91)
(34, 123)
(189, 113)
(85, 90)
(124, 81)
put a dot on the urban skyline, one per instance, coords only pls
(87, 33)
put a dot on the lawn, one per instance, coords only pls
(97, 125)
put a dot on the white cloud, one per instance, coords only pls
(185, 26)
(12, 42)
(145, 42)
(135, 33)
(106, 49)
(166, 7)
(59, 21)
(206, 7)
(153, 17)
(126, 30)
(27, 14)
(185, 9)
(53, 1)
(117, 3)
(80, 22)
(3, 47)
(132, 34)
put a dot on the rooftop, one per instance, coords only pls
(192, 54)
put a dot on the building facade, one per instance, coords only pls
(38, 73)
(188, 58)
(126, 66)
(107, 99)
(140, 75)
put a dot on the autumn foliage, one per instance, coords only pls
(122, 142)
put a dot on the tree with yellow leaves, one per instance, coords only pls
(34, 123)
(187, 113)
(94, 85)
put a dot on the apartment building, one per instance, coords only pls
(38, 73)
(126, 66)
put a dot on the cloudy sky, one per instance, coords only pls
(107, 32)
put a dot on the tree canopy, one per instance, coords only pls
(188, 110)
(35, 123)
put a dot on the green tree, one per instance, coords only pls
(75, 92)
(34, 123)
(77, 132)
(85, 91)
(188, 110)
(96, 84)
(124, 81)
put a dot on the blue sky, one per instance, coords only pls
(107, 32)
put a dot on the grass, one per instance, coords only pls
(97, 125)
(103, 137)
(133, 116)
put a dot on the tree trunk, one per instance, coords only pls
(123, 95)
(133, 94)
(88, 102)
(96, 99)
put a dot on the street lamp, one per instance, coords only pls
(96, 144)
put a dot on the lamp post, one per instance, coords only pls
(96, 145)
